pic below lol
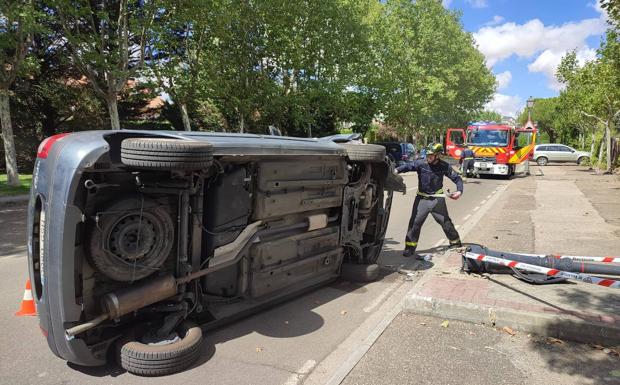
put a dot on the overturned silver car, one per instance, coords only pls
(139, 241)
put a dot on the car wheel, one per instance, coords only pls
(582, 160)
(131, 239)
(166, 154)
(542, 161)
(365, 152)
(161, 357)
(359, 273)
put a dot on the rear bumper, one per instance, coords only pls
(491, 168)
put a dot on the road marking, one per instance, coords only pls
(476, 208)
(489, 196)
(380, 299)
(12, 210)
(483, 202)
(294, 378)
(466, 217)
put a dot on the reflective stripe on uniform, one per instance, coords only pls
(412, 244)
(440, 191)
(455, 241)
(470, 158)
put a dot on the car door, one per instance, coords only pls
(553, 153)
(565, 154)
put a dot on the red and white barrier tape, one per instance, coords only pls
(580, 258)
(544, 270)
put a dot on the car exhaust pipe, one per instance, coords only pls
(125, 301)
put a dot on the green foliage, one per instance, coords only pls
(486, 115)
(432, 74)
(23, 188)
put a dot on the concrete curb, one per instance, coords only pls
(559, 326)
(14, 199)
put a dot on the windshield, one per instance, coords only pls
(488, 137)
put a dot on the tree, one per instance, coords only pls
(107, 41)
(487, 115)
(545, 112)
(594, 88)
(429, 83)
(181, 50)
(18, 23)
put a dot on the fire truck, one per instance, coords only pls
(499, 149)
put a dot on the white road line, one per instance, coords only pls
(296, 377)
(466, 217)
(483, 202)
(380, 299)
(489, 196)
(12, 210)
(476, 208)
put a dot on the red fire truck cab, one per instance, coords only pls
(498, 149)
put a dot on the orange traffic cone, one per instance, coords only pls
(28, 307)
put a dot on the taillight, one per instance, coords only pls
(46, 145)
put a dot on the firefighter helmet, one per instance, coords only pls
(434, 148)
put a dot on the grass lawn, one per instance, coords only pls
(23, 188)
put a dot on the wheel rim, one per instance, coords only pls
(132, 237)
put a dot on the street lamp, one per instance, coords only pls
(530, 105)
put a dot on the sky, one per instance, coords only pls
(523, 42)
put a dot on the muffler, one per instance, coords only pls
(124, 301)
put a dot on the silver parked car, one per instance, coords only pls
(555, 152)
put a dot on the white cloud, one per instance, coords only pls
(525, 40)
(478, 3)
(503, 79)
(548, 61)
(505, 104)
(543, 45)
(497, 19)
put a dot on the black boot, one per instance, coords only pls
(455, 244)
(409, 252)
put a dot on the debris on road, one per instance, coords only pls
(508, 330)
(445, 323)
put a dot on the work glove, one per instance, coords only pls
(455, 195)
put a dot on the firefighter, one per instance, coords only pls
(430, 198)
(467, 162)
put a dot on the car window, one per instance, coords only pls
(553, 148)
(456, 137)
(541, 148)
(565, 149)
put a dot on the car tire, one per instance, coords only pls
(166, 154)
(542, 161)
(582, 160)
(359, 273)
(113, 242)
(365, 152)
(159, 360)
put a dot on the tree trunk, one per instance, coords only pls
(592, 145)
(9, 142)
(185, 117)
(115, 123)
(608, 140)
(241, 122)
(602, 148)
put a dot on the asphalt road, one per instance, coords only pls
(278, 346)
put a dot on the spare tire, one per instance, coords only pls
(166, 154)
(161, 358)
(365, 152)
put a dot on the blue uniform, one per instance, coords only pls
(427, 201)
(467, 161)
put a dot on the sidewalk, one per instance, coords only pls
(566, 211)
